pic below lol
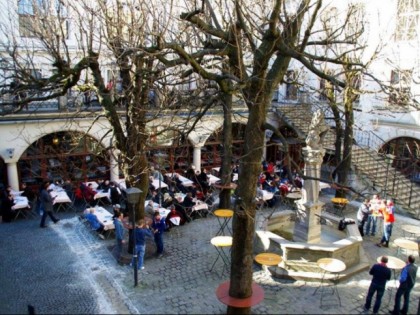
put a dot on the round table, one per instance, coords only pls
(227, 215)
(411, 229)
(394, 264)
(221, 242)
(268, 259)
(292, 197)
(333, 266)
(340, 204)
(406, 244)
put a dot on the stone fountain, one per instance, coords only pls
(302, 251)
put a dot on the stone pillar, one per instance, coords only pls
(113, 166)
(307, 228)
(197, 157)
(12, 175)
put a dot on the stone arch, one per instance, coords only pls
(64, 154)
(406, 154)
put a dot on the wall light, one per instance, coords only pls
(10, 152)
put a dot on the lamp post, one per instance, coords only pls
(133, 196)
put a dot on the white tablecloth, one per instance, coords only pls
(94, 184)
(62, 196)
(101, 194)
(20, 203)
(162, 211)
(155, 184)
(267, 195)
(105, 217)
(185, 181)
(212, 179)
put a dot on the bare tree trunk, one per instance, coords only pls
(244, 216)
(225, 170)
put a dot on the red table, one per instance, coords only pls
(222, 293)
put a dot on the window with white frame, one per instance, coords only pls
(408, 20)
(37, 17)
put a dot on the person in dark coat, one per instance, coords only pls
(8, 213)
(407, 281)
(381, 274)
(47, 205)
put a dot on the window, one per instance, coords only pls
(408, 19)
(400, 87)
(291, 87)
(37, 17)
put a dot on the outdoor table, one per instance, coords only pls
(395, 264)
(156, 184)
(268, 259)
(339, 204)
(185, 181)
(162, 211)
(16, 193)
(230, 186)
(226, 215)
(220, 243)
(292, 197)
(21, 205)
(100, 194)
(412, 230)
(105, 218)
(61, 198)
(94, 184)
(330, 266)
(212, 179)
(222, 294)
(406, 244)
(267, 195)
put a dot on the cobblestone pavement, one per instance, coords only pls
(65, 268)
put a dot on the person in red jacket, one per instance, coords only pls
(389, 220)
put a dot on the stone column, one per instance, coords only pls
(197, 157)
(307, 228)
(12, 175)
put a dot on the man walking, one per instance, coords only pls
(381, 274)
(407, 281)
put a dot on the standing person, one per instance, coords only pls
(372, 221)
(142, 232)
(7, 208)
(407, 280)
(47, 205)
(381, 274)
(362, 215)
(119, 233)
(159, 227)
(389, 219)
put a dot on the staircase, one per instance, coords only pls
(370, 166)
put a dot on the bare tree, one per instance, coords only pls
(259, 40)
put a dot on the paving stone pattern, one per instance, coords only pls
(66, 268)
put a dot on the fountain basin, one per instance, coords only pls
(299, 258)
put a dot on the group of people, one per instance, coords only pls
(367, 218)
(87, 192)
(381, 274)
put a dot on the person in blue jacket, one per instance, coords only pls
(159, 227)
(142, 232)
(119, 233)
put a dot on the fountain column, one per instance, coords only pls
(307, 227)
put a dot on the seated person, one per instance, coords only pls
(174, 218)
(181, 209)
(93, 220)
(117, 208)
(27, 192)
(284, 187)
(167, 201)
(7, 211)
(203, 180)
(193, 190)
(178, 184)
(115, 194)
(89, 194)
(149, 210)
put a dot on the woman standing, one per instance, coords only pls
(47, 205)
